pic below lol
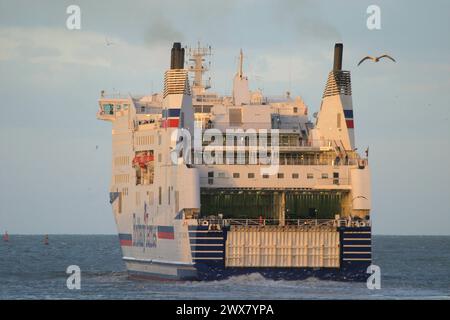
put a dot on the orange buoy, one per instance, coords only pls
(6, 236)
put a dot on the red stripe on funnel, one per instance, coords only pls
(350, 124)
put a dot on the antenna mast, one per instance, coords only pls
(241, 61)
(196, 66)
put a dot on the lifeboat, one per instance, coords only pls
(142, 160)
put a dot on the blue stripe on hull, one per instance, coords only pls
(348, 114)
(207, 248)
(346, 235)
(205, 234)
(206, 241)
(356, 256)
(125, 236)
(208, 262)
(357, 249)
(355, 229)
(218, 255)
(198, 228)
(346, 243)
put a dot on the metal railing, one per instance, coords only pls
(114, 96)
(288, 161)
(285, 222)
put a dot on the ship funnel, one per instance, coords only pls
(177, 56)
(338, 49)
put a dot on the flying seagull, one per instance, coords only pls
(108, 43)
(375, 59)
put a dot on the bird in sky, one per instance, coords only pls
(376, 59)
(108, 43)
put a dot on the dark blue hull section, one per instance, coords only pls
(355, 257)
(213, 272)
(351, 273)
(208, 253)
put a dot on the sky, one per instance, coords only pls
(53, 179)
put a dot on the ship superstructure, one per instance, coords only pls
(207, 186)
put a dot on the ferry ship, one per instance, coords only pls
(206, 186)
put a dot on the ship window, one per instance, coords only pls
(310, 176)
(339, 120)
(211, 177)
(295, 176)
(150, 198)
(160, 196)
(265, 176)
(236, 175)
(168, 195)
(251, 175)
(108, 108)
(324, 175)
(280, 175)
(295, 109)
(335, 177)
(159, 157)
(119, 209)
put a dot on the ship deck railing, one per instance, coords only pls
(286, 222)
(287, 161)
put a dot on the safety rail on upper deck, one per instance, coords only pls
(285, 222)
(285, 161)
(115, 96)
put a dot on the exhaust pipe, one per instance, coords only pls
(177, 56)
(338, 49)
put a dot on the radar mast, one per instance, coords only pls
(197, 67)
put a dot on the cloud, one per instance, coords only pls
(162, 31)
(279, 67)
(303, 17)
(50, 45)
(57, 47)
